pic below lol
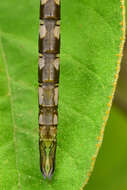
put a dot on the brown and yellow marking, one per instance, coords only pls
(56, 63)
(43, 2)
(41, 22)
(48, 78)
(57, 2)
(41, 62)
(58, 22)
(43, 31)
(57, 32)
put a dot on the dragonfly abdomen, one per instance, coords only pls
(48, 76)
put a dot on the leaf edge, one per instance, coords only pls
(109, 104)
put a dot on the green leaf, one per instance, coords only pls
(90, 32)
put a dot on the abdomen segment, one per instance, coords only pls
(48, 78)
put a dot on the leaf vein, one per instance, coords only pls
(12, 114)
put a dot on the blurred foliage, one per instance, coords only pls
(121, 91)
(110, 172)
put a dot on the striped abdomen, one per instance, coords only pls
(48, 76)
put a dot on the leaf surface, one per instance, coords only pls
(90, 41)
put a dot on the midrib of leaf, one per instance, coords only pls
(11, 105)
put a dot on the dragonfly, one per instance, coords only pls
(48, 79)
